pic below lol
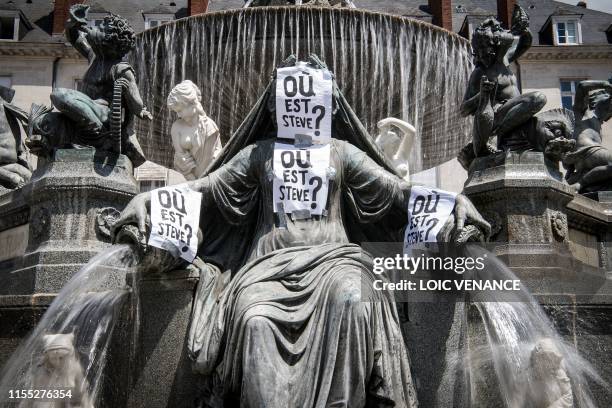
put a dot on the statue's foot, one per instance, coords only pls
(466, 155)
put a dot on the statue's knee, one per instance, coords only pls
(349, 294)
(538, 100)
(256, 324)
(59, 96)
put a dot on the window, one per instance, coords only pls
(155, 20)
(95, 22)
(148, 185)
(6, 81)
(567, 32)
(568, 92)
(96, 19)
(9, 28)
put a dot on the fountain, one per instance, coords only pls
(184, 316)
(68, 351)
(415, 72)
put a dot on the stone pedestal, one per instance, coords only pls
(559, 243)
(148, 361)
(64, 198)
(524, 199)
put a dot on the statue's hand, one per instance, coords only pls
(486, 85)
(136, 212)
(10, 179)
(466, 213)
(78, 15)
(145, 114)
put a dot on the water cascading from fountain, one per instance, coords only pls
(512, 364)
(387, 66)
(80, 321)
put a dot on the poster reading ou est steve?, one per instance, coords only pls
(175, 217)
(428, 210)
(300, 178)
(304, 103)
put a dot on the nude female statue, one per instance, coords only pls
(195, 136)
(397, 147)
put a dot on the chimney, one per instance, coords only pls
(504, 12)
(442, 13)
(197, 7)
(60, 14)
(582, 4)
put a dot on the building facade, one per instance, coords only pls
(571, 43)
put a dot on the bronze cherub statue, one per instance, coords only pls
(101, 114)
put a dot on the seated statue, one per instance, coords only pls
(195, 136)
(493, 96)
(101, 114)
(280, 316)
(589, 166)
(396, 147)
(15, 170)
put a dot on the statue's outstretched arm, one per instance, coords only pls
(77, 30)
(520, 28)
(236, 177)
(525, 39)
(374, 190)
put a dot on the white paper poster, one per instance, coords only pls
(304, 104)
(175, 218)
(300, 178)
(428, 210)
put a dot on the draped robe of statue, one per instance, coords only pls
(281, 317)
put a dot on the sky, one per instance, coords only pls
(602, 5)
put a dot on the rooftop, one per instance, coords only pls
(595, 24)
